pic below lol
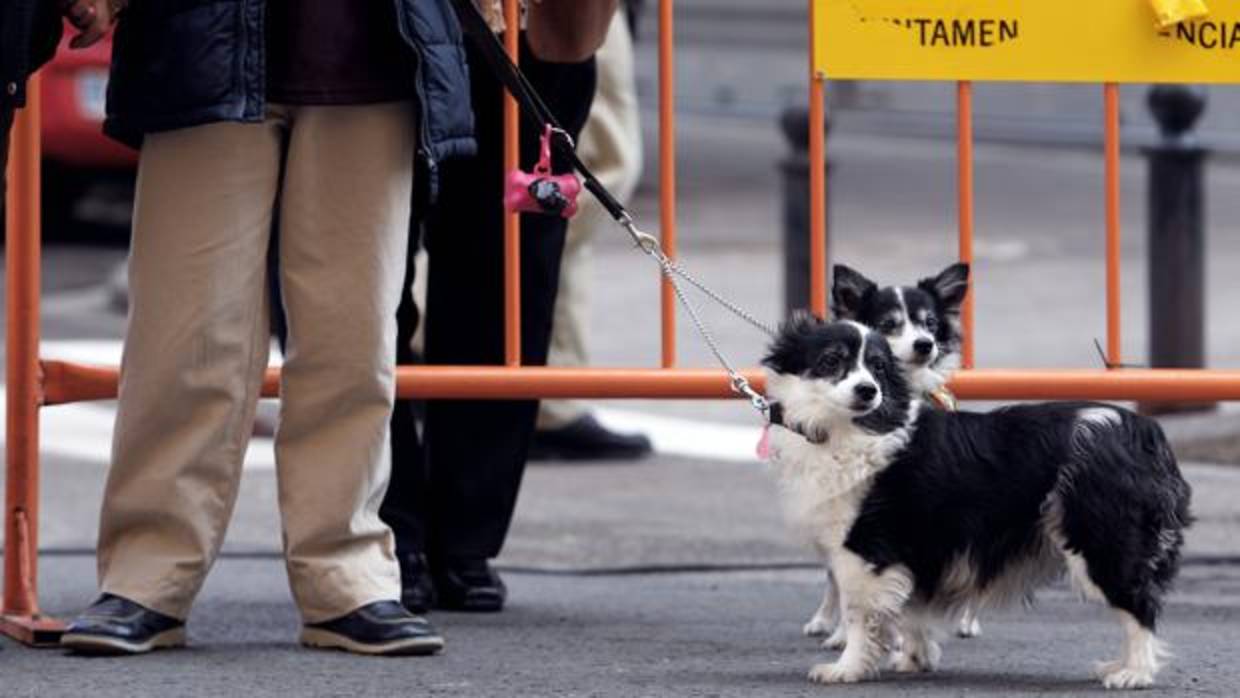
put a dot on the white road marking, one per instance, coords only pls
(83, 431)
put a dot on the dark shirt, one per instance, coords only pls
(336, 52)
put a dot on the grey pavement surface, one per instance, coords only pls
(721, 634)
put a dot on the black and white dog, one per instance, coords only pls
(921, 511)
(922, 325)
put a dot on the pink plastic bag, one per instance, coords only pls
(540, 191)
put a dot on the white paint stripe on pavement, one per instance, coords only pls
(687, 438)
(84, 431)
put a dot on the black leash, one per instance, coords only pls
(532, 105)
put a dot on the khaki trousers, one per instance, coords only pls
(611, 146)
(198, 340)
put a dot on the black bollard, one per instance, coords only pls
(795, 169)
(1176, 237)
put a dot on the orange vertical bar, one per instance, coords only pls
(21, 505)
(817, 180)
(964, 187)
(667, 176)
(512, 221)
(1111, 147)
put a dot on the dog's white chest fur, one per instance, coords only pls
(822, 485)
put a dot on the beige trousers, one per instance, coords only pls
(198, 340)
(611, 146)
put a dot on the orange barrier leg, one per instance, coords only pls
(20, 617)
(667, 177)
(512, 221)
(817, 183)
(964, 164)
(1111, 148)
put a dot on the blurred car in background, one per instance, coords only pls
(87, 177)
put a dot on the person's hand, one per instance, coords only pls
(92, 18)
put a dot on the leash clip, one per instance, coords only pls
(741, 386)
(645, 241)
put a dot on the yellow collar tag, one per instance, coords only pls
(1171, 12)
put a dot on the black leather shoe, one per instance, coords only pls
(468, 584)
(380, 628)
(585, 439)
(115, 625)
(417, 589)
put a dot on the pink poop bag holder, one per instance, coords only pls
(541, 191)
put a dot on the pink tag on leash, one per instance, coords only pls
(764, 443)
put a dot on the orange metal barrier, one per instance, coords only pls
(32, 384)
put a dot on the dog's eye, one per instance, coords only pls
(932, 323)
(828, 363)
(878, 364)
(888, 326)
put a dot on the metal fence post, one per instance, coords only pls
(795, 169)
(1176, 229)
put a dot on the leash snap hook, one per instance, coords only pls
(647, 242)
(741, 387)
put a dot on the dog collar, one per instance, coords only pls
(775, 416)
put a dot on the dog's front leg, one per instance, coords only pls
(872, 604)
(826, 620)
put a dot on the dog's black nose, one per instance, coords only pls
(866, 391)
(923, 347)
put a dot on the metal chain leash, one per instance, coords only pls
(736, 310)
(650, 245)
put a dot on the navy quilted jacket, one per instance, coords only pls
(179, 63)
(29, 30)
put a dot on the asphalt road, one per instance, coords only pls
(723, 634)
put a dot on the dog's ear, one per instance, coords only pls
(787, 352)
(950, 286)
(848, 289)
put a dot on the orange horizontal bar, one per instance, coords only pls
(66, 382)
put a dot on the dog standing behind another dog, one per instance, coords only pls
(922, 512)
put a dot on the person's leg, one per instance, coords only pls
(195, 352)
(477, 449)
(405, 505)
(610, 145)
(344, 215)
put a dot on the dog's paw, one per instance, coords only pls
(837, 640)
(969, 627)
(1103, 669)
(818, 626)
(919, 659)
(836, 672)
(1124, 678)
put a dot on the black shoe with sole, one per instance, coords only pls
(117, 626)
(585, 439)
(380, 628)
(417, 589)
(468, 584)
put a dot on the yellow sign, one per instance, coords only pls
(1026, 40)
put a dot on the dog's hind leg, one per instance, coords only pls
(1140, 659)
(918, 651)
(872, 605)
(826, 619)
(969, 625)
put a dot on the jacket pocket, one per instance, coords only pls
(176, 58)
